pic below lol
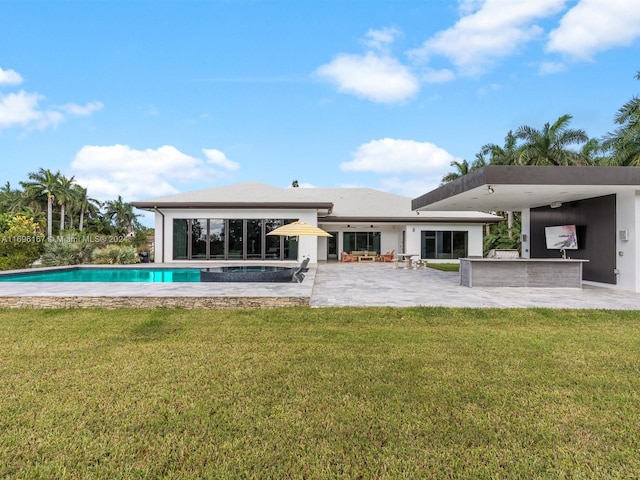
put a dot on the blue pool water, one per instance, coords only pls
(165, 275)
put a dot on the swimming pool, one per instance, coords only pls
(79, 274)
(244, 273)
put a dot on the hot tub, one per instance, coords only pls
(247, 273)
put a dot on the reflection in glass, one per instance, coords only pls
(216, 238)
(199, 238)
(236, 237)
(272, 242)
(180, 238)
(254, 239)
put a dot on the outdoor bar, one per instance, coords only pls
(521, 272)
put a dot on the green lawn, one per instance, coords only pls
(319, 393)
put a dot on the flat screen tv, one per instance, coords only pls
(562, 237)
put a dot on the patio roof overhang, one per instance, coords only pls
(514, 188)
(325, 207)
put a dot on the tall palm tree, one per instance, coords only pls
(121, 214)
(85, 205)
(64, 195)
(624, 142)
(551, 145)
(43, 182)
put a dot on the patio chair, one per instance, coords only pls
(346, 257)
(298, 273)
(387, 257)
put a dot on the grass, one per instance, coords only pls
(445, 267)
(319, 393)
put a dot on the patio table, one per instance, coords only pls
(405, 258)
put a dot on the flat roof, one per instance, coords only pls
(516, 187)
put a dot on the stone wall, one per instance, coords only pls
(152, 302)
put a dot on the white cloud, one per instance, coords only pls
(411, 188)
(371, 76)
(438, 76)
(497, 29)
(10, 77)
(596, 25)
(381, 39)
(109, 171)
(391, 155)
(22, 109)
(82, 111)
(216, 157)
(550, 68)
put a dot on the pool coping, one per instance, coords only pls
(149, 295)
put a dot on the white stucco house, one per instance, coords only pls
(232, 222)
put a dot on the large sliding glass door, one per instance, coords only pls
(359, 241)
(439, 244)
(231, 239)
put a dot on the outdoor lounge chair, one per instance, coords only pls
(298, 273)
(387, 257)
(346, 257)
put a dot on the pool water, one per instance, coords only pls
(161, 275)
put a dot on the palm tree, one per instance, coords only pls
(624, 142)
(121, 214)
(507, 155)
(11, 200)
(64, 195)
(462, 168)
(550, 146)
(43, 182)
(84, 204)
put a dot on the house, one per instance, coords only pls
(232, 222)
(600, 204)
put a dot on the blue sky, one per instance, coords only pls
(148, 98)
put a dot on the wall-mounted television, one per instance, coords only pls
(561, 237)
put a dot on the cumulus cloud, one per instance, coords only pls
(23, 109)
(216, 157)
(375, 75)
(80, 110)
(497, 29)
(10, 77)
(391, 155)
(596, 25)
(109, 171)
(377, 78)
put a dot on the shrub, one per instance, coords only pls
(115, 254)
(20, 243)
(69, 250)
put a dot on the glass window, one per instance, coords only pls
(180, 238)
(236, 237)
(359, 241)
(272, 242)
(199, 238)
(444, 244)
(254, 239)
(216, 238)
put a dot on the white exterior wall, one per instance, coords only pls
(628, 251)
(307, 246)
(474, 238)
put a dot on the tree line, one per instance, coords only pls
(560, 145)
(59, 203)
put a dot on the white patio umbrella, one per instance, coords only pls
(299, 229)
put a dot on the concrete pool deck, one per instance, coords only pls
(325, 285)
